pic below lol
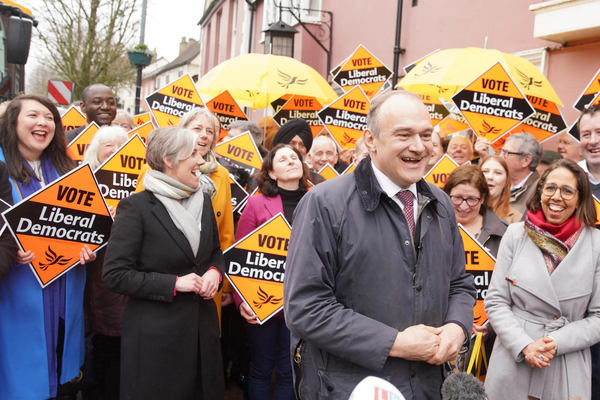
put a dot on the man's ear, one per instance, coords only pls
(82, 106)
(526, 161)
(368, 140)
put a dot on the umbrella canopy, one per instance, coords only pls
(446, 72)
(255, 80)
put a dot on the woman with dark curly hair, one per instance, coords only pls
(41, 330)
(282, 181)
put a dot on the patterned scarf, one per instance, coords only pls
(554, 241)
(187, 215)
(210, 165)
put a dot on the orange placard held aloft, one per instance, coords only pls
(117, 176)
(72, 119)
(437, 110)
(346, 117)
(304, 107)
(227, 110)
(349, 170)
(362, 69)
(438, 175)
(451, 124)
(493, 104)
(58, 220)
(546, 121)
(77, 148)
(141, 119)
(142, 131)
(328, 172)
(169, 104)
(255, 266)
(589, 93)
(240, 152)
(480, 263)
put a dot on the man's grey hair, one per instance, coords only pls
(322, 137)
(254, 129)
(173, 143)
(373, 122)
(529, 146)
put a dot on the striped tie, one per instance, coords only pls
(406, 197)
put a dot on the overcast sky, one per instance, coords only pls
(167, 21)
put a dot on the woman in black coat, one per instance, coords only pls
(164, 253)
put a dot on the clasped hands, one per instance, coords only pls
(539, 353)
(205, 285)
(429, 344)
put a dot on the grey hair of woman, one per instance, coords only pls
(124, 115)
(196, 113)
(106, 134)
(173, 143)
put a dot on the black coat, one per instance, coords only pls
(164, 336)
(8, 246)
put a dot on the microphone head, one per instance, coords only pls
(373, 388)
(463, 386)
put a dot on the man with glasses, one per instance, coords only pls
(522, 153)
(589, 135)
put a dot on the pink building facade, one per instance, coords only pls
(561, 37)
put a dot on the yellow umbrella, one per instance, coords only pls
(446, 72)
(254, 80)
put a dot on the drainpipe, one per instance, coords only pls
(397, 49)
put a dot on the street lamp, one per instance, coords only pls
(279, 39)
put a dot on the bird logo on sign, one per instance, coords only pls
(428, 69)
(265, 298)
(347, 139)
(487, 128)
(527, 81)
(289, 80)
(53, 259)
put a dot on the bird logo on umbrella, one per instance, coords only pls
(289, 80)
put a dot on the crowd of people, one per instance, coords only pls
(375, 281)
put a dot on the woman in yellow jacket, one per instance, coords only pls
(215, 180)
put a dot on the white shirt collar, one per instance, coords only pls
(591, 177)
(388, 186)
(520, 185)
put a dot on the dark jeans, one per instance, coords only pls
(107, 368)
(270, 348)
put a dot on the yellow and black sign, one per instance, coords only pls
(76, 149)
(595, 101)
(173, 101)
(240, 152)
(58, 220)
(328, 172)
(141, 119)
(142, 130)
(363, 69)
(438, 175)
(590, 91)
(277, 104)
(304, 107)
(546, 121)
(437, 110)
(117, 176)
(346, 117)
(72, 119)
(256, 267)
(349, 170)
(227, 110)
(238, 194)
(452, 123)
(493, 104)
(597, 205)
(480, 263)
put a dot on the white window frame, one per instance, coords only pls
(538, 57)
(271, 13)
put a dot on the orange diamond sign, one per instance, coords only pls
(169, 104)
(438, 175)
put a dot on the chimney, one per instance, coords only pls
(183, 45)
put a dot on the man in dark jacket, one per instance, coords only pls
(367, 290)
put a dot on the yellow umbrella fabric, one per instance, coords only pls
(255, 80)
(446, 72)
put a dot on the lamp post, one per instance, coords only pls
(279, 39)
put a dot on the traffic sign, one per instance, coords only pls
(61, 92)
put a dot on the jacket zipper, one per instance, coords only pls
(298, 370)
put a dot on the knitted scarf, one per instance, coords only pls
(187, 215)
(210, 165)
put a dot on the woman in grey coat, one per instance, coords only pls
(543, 300)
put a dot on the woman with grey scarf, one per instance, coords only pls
(164, 253)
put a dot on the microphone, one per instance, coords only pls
(463, 386)
(373, 388)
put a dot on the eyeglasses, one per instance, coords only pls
(566, 192)
(506, 153)
(124, 125)
(471, 201)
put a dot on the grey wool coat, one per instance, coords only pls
(524, 303)
(170, 344)
(353, 280)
